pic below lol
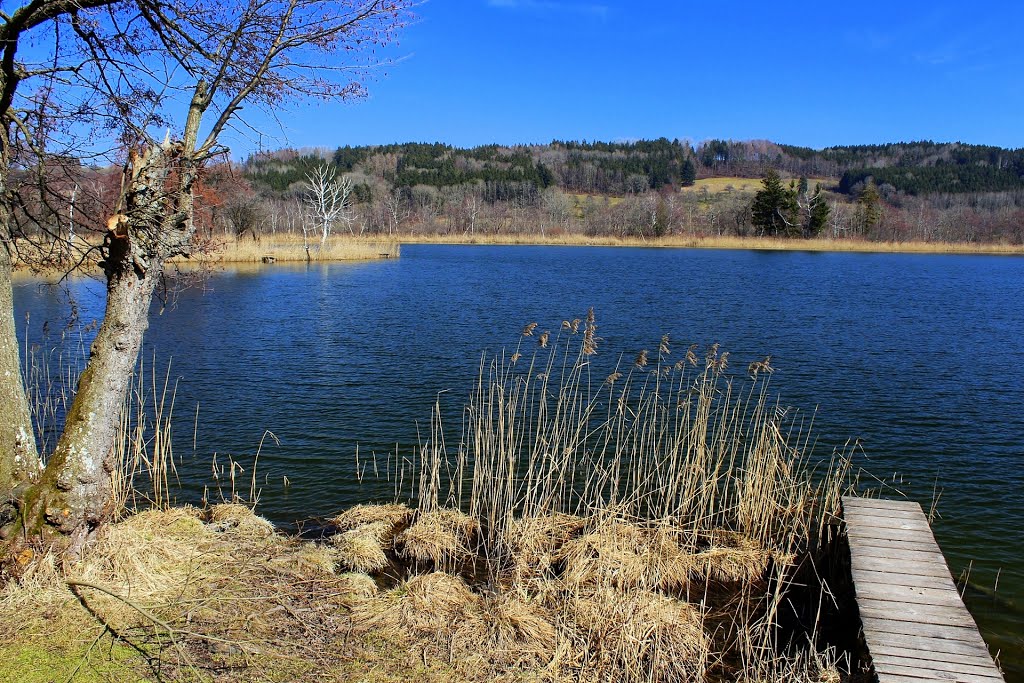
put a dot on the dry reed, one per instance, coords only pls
(666, 482)
(821, 244)
(144, 474)
(288, 247)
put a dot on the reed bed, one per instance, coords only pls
(50, 259)
(820, 244)
(656, 522)
(286, 247)
(661, 521)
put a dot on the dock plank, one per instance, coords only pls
(879, 503)
(896, 553)
(891, 535)
(884, 577)
(918, 595)
(884, 542)
(977, 659)
(917, 614)
(957, 640)
(974, 668)
(900, 567)
(915, 624)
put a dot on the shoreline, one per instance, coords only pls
(723, 243)
(289, 248)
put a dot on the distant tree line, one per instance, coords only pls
(621, 168)
(636, 189)
(944, 177)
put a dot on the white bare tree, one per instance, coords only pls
(327, 202)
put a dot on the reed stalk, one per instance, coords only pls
(145, 466)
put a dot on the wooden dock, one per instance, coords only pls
(915, 625)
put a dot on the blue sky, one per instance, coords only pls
(472, 72)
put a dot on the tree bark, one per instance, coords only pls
(19, 459)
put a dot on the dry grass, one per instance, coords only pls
(743, 185)
(184, 597)
(239, 518)
(362, 550)
(433, 605)
(393, 517)
(568, 635)
(726, 184)
(366, 533)
(177, 596)
(443, 538)
(638, 636)
(821, 244)
(734, 558)
(623, 555)
(533, 543)
(289, 247)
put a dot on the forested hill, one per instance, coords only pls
(914, 168)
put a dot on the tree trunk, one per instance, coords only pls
(76, 487)
(19, 459)
(74, 493)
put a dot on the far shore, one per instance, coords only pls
(285, 247)
(289, 248)
(723, 242)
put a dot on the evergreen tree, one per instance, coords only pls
(544, 174)
(774, 210)
(869, 209)
(818, 213)
(688, 173)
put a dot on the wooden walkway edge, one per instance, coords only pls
(915, 625)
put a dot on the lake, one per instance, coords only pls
(921, 357)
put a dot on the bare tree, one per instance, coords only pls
(148, 60)
(394, 209)
(246, 215)
(327, 202)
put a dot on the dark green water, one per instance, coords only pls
(921, 357)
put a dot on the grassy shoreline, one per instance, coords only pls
(289, 248)
(722, 242)
(285, 248)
